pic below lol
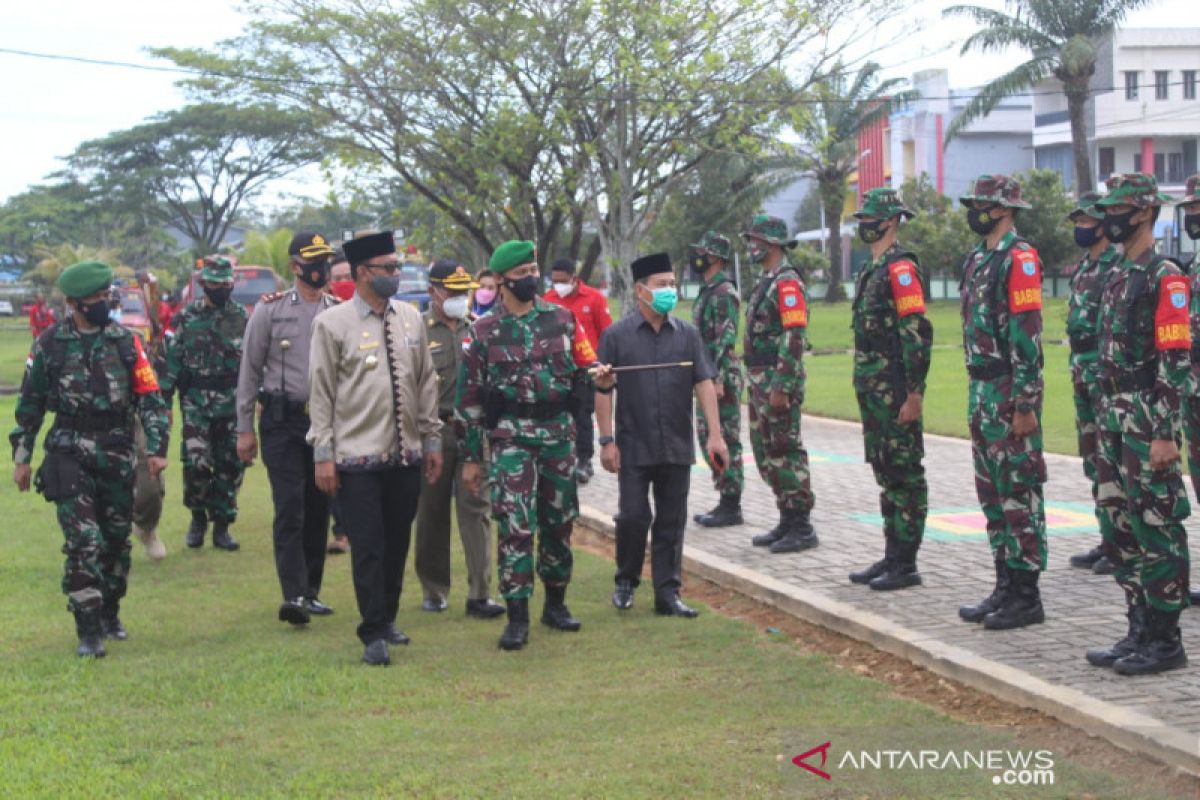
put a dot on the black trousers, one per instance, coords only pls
(670, 484)
(301, 509)
(585, 447)
(379, 507)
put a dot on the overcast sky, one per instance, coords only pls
(48, 107)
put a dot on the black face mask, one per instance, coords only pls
(96, 313)
(1086, 237)
(1191, 224)
(524, 289)
(315, 275)
(869, 232)
(1119, 227)
(218, 297)
(981, 220)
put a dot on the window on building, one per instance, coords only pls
(1108, 162)
(1160, 167)
(1175, 168)
(1189, 84)
(1131, 86)
(1189, 157)
(1161, 81)
(1137, 162)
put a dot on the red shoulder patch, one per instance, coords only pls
(1025, 281)
(144, 379)
(1171, 328)
(906, 288)
(585, 356)
(793, 310)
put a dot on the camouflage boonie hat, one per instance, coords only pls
(1192, 190)
(217, 269)
(771, 230)
(1134, 189)
(1087, 206)
(999, 189)
(883, 203)
(715, 244)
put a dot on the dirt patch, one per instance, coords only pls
(908, 680)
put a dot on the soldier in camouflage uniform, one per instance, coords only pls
(1083, 329)
(96, 378)
(514, 391)
(892, 344)
(1191, 411)
(202, 365)
(716, 313)
(773, 347)
(1143, 371)
(1001, 306)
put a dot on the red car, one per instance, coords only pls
(134, 314)
(249, 284)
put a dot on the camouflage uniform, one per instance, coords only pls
(202, 366)
(716, 313)
(1143, 371)
(96, 383)
(773, 347)
(892, 346)
(1191, 410)
(523, 367)
(1083, 329)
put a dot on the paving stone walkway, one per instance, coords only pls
(1083, 610)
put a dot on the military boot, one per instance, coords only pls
(110, 622)
(555, 612)
(977, 612)
(868, 574)
(1087, 560)
(728, 512)
(196, 531)
(1161, 648)
(798, 534)
(516, 632)
(1022, 604)
(91, 636)
(770, 537)
(1106, 657)
(222, 539)
(901, 570)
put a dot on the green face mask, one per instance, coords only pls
(664, 299)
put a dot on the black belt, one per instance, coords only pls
(533, 410)
(761, 359)
(212, 382)
(1083, 344)
(94, 422)
(992, 369)
(1141, 379)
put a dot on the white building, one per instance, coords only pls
(1143, 116)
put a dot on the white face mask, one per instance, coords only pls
(455, 307)
(564, 289)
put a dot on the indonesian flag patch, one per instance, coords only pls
(1171, 329)
(793, 311)
(906, 288)
(1025, 282)
(144, 379)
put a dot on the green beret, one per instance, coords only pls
(511, 254)
(84, 279)
(217, 270)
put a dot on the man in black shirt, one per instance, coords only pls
(653, 448)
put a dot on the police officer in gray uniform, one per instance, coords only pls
(274, 371)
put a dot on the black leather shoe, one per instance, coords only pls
(869, 574)
(899, 574)
(798, 536)
(1022, 604)
(1087, 560)
(622, 597)
(980, 610)
(91, 634)
(673, 607)
(376, 654)
(484, 609)
(434, 604)
(396, 636)
(516, 632)
(294, 611)
(1106, 657)
(315, 607)
(221, 538)
(1161, 648)
(111, 627)
(728, 512)
(1103, 567)
(196, 531)
(770, 537)
(555, 613)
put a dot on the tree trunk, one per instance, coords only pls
(833, 197)
(1076, 105)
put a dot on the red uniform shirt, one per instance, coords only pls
(590, 308)
(40, 318)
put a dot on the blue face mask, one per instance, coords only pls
(1086, 237)
(664, 300)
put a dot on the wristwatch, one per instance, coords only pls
(1024, 407)
(603, 440)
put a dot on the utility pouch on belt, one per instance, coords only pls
(59, 475)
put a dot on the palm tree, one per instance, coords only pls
(828, 125)
(1062, 35)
